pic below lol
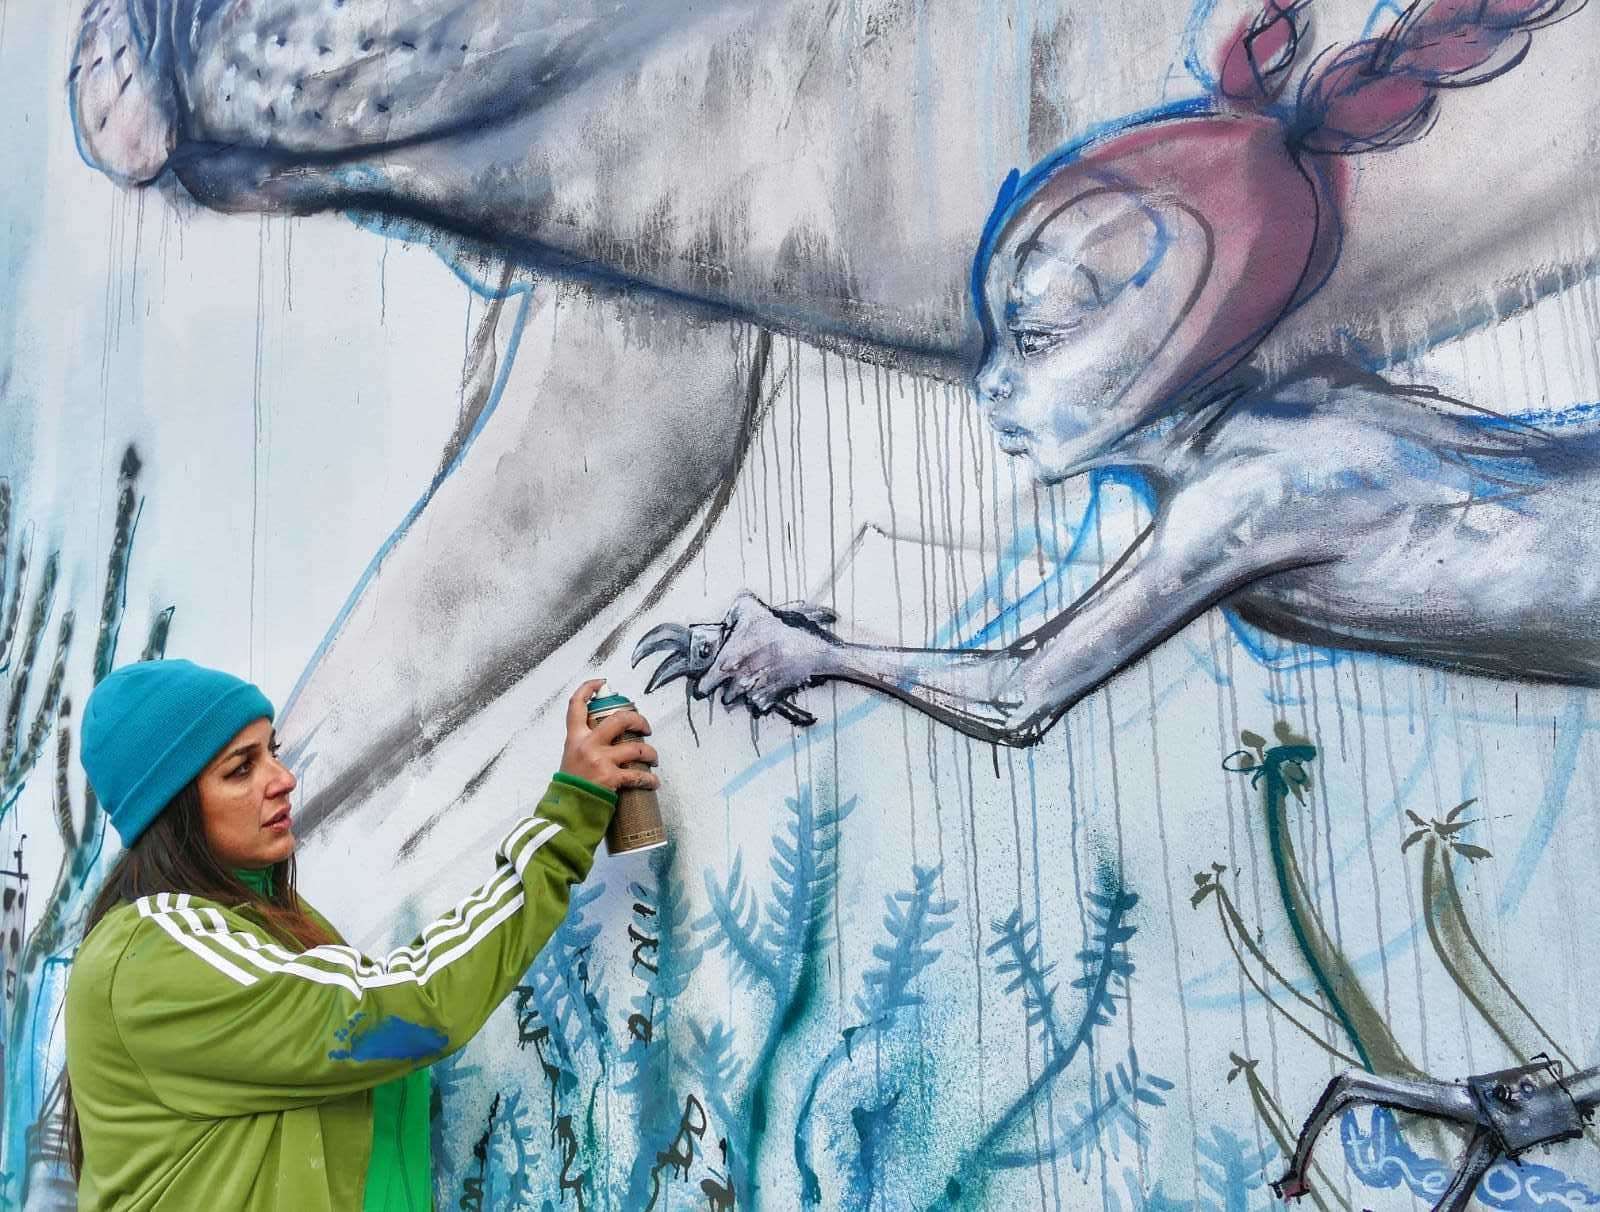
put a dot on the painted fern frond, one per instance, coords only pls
(44, 715)
(805, 865)
(114, 595)
(661, 912)
(567, 999)
(732, 923)
(717, 1073)
(6, 624)
(1107, 968)
(511, 1156)
(451, 1078)
(62, 794)
(13, 610)
(1017, 943)
(716, 1066)
(1109, 1115)
(43, 607)
(912, 920)
(663, 960)
(1232, 1170)
(155, 646)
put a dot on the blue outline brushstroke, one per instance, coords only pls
(526, 291)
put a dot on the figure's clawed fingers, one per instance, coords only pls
(671, 638)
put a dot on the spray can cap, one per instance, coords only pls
(608, 702)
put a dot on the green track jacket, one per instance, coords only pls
(215, 1069)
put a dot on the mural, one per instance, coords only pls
(1098, 502)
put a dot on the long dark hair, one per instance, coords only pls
(172, 855)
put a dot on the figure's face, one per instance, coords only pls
(244, 801)
(1081, 302)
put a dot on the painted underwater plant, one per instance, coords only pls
(1379, 1072)
(912, 920)
(1279, 771)
(662, 1104)
(1105, 970)
(1456, 943)
(32, 1139)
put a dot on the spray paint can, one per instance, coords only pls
(636, 824)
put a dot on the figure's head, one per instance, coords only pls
(1134, 268)
(172, 739)
(1140, 266)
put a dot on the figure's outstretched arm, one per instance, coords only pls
(1169, 576)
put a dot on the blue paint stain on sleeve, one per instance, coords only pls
(387, 1039)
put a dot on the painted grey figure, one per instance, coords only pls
(1458, 540)
(1120, 289)
(818, 167)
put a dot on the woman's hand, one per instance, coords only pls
(600, 754)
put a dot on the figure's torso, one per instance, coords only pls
(1426, 529)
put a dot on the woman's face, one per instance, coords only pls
(1081, 302)
(244, 800)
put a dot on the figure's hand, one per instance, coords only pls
(602, 754)
(766, 655)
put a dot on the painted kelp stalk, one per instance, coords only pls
(32, 1133)
(1456, 944)
(1121, 287)
(1279, 771)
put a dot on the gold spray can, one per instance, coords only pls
(636, 824)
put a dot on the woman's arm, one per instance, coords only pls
(222, 1020)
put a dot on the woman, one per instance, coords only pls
(224, 1048)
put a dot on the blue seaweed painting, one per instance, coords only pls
(914, 917)
(662, 958)
(777, 950)
(31, 1132)
(1105, 971)
(562, 1014)
(1233, 1170)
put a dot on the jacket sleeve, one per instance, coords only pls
(222, 1021)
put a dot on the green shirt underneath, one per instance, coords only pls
(399, 1176)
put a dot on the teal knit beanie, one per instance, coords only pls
(150, 728)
